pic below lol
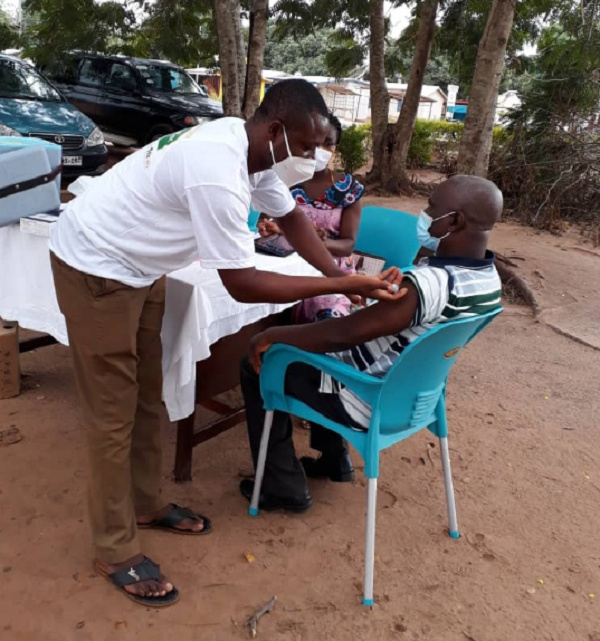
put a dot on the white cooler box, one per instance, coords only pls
(29, 177)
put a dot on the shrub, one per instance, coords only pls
(422, 144)
(366, 129)
(353, 148)
(434, 142)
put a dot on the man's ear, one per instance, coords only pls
(275, 128)
(457, 222)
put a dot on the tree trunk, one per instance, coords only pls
(241, 48)
(380, 98)
(396, 140)
(476, 140)
(226, 14)
(257, 38)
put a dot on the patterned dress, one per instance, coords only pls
(326, 213)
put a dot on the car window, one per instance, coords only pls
(169, 80)
(63, 70)
(18, 80)
(92, 71)
(121, 78)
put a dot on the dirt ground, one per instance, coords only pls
(523, 415)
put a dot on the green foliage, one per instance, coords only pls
(9, 34)
(436, 142)
(398, 60)
(421, 144)
(55, 27)
(462, 27)
(344, 58)
(290, 54)
(348, 21)
(353, 147)
(182, 32)
(301, 17)
(565, 82)
(550, 168)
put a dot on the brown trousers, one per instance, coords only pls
(114, 335)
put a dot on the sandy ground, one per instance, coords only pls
(523, 414)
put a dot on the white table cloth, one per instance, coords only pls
(198, 313)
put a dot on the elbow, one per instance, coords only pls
(241, 291)
(344, 249)
(241, 284)
(242, 295)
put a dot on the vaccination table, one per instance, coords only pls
(205, 331)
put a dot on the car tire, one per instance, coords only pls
(158, 131)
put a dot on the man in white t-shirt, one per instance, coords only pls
(183, 197)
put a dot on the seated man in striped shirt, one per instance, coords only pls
(459, 280)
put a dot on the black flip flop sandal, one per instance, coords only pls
(177, 514)
(147, 570)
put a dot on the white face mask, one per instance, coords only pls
(322, 157)
(292, 170)
(425, 238)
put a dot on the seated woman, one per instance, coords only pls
(332, 202)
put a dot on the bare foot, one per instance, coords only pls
(146, 589)
(186, 524)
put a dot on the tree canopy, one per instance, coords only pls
(306, 55)
(9, 34)
(549, 169)
(54, 27)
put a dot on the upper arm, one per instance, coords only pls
(271, 196)
(350, 222)
(381, 319)
(432, 287)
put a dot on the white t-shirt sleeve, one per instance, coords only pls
(220, 221)
(270, 196)
(432, 287)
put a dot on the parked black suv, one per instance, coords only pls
(133, 97)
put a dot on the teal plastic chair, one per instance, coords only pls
(411, 397)
(253, 216)
(388, 233)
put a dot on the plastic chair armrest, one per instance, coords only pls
(279, 357)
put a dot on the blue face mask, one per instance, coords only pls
(425, 238)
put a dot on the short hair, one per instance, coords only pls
(291, 100)
(337, 125)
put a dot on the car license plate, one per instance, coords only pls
(72, 161)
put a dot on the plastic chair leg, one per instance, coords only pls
(452, 521)
(370, 541)
(260, 465)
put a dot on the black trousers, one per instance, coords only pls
(284, 475)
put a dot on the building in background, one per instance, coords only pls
(348, 98)
(433, 100)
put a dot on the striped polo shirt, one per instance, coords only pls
(449, 289)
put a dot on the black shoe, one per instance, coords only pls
(338, 469)
(269, 502)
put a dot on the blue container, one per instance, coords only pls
(23, 160)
